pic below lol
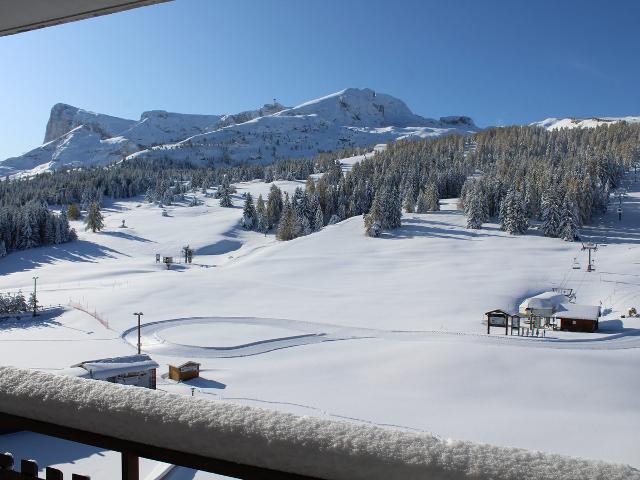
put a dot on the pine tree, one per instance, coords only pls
(409, 204)
(550, 214)
(94, 220)
(513, 215)
(289, 226)
(433, 201)
(373, 219)
(476, 212)
(262, 225)
(274, 206)
(73, 213)
(423, 204)
(249, 216)
(318, 220)
(3, 249)
(569, 222)
(225, 198)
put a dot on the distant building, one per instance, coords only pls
(553, 307)
(136, 370)
(183, 372)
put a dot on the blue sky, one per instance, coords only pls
(500, 62)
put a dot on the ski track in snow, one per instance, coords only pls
(314, 333)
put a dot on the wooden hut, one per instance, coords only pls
(578, 318)
(183, 372)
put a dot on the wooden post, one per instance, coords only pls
(130, 466)
(29, 468)
(6, 461)
(488, 324)
(506, 325)
(53, 474)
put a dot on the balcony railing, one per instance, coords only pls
(254, 444)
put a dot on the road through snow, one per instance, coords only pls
(306, 333)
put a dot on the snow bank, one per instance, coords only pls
(308, 446)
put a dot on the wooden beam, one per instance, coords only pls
(130, 466)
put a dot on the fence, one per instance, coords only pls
(87, 310)
(29, 470)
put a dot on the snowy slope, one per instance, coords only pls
(349, 118)
(342, 326)
(557, 123)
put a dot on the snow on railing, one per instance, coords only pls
(279, 441)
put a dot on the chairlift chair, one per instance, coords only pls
(576, 264)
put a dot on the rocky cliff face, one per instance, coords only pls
(349, 118)
(64, 118)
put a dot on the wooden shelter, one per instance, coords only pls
(183, 372)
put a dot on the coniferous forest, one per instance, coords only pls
(516, 175)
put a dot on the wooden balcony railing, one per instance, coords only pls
(29, 470)
(254, 444)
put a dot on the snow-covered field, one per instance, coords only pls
(377, 330)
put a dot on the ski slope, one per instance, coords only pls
(382, 330)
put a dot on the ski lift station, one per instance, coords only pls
(136, 370)
(554, 309)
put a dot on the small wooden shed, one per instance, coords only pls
(186, 371)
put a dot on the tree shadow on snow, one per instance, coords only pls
(414, 227)
(219, 248)
(43, 320)
(127, 236)
(201, 382)
(76, 251)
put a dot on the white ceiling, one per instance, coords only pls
(23, 15)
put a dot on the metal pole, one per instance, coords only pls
(139, 314)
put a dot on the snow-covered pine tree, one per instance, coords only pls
(94, 220)
(262, 224)
(225, 198)
(274, 206)
(422, 204)
(409, 203)
(289, 226)
(28, 237)
(433, 201)
(391, 208)
(475, 208)
(550, 213)
(249, 216)
(373, 219)
(513, 214)
(568, 221)
(318, 220)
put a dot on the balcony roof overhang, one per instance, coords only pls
(18, 16)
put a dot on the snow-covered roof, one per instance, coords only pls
(543, 301)
(111, 367)
(578, 312)
(310, 446)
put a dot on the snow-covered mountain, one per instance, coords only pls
(349, 118)
(557, 123)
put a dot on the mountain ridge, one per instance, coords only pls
(352, 117)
